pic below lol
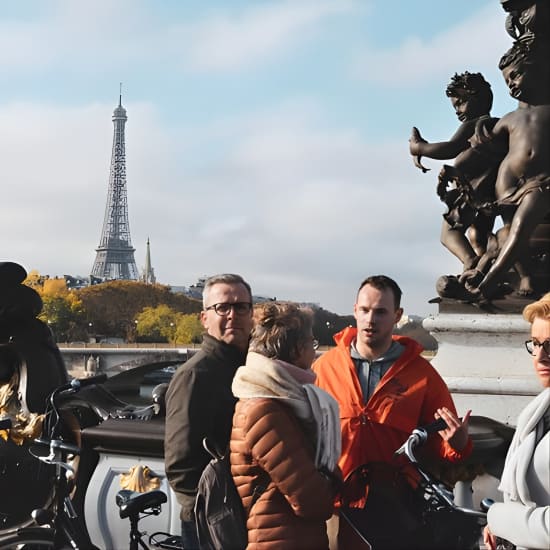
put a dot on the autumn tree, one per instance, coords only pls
(189, 329)
(62, 310)
(157, 324)
(164, 324)
(34, 280)
(114, 306)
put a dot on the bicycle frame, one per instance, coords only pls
(406, 508)
(441, 513)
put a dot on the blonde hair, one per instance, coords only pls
(540, 309)
(280, 330)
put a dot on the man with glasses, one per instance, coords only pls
(199, 401)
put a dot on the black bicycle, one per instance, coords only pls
(425, 517)
(57, 525)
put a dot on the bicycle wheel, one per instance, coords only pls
(28, 538)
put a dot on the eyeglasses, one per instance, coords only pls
(315, 344)
(531, 345)
(224, 308)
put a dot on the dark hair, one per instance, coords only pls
(382, 282)
(473, 85)
(223, 278)
(280, 330)
(518, 53)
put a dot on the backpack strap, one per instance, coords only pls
(259, 489)
(211, 449)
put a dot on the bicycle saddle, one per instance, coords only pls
(131, 503)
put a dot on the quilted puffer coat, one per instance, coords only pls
(271, 456)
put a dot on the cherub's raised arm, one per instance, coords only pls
(442, 150)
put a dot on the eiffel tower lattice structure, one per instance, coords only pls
(115, 254)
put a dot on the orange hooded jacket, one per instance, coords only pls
(407, 397)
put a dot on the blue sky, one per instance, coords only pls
(268, 138)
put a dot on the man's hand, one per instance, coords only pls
(457, 430)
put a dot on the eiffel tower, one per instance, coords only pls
(115, 254)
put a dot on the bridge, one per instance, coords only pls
(112, 359)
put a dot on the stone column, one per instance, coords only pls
(483, 360)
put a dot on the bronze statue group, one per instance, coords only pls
(501, 170)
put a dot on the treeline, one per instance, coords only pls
(129, 310)
(137, 312)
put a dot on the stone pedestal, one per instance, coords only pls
(483, 360)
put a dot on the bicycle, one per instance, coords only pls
(433, 519)
(57, 525)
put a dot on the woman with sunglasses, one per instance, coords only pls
(523, 518)
(285, 441)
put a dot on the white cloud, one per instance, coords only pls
(302, 207)
(304, 213)
(94, 37)
(78, 34)
(473, 44)
(230, 41)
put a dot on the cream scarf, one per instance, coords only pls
(521, 449)
(316, 409)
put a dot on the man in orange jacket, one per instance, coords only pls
(384, 387)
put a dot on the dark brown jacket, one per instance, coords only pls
(199, 404)
(269, 448)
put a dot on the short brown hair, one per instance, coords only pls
(540, 309)
(280, 330)
(383, 282)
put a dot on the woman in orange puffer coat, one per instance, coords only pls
(285, 441)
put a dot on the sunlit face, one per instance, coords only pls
(376, 315)
(233, 328)
(540, 333)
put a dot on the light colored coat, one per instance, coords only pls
(524, 516)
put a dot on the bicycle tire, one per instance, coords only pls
(31, 538)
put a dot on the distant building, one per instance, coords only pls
(74, 282)
(148, 273)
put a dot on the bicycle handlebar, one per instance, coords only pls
(76, 384)
(57, 444)
(418, 437)
(435, 426)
